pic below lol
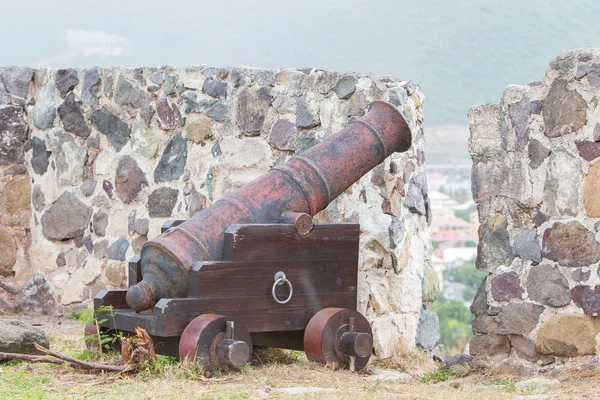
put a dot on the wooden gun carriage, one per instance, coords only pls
(254, 270)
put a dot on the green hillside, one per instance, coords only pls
(468, 51)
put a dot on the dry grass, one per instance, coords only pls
(272, 370)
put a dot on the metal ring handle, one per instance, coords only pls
(280, 279)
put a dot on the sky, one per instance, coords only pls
(461, 52)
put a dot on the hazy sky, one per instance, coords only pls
(461, 52)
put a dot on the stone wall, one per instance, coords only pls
(535, 180)
(94, 161)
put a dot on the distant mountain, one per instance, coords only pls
(446, 142)
(465, 52)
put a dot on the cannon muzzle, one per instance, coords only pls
(306, 184)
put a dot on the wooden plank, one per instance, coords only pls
(259, 314)
(252, 242)
(112, 298)
(134, 275)
(222, 279)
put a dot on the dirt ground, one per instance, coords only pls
(283, 375)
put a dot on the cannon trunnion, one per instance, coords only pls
(275, 287)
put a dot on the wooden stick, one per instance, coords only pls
(79, 363)
(30, 358)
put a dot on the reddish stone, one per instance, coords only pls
(571, 245)
(588, 150)
(565, 111)
(588, 299)
(506, 286)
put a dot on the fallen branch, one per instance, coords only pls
(30, 358)
(79, 363)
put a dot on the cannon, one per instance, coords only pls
(254, 269)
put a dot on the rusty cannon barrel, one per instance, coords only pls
(290, 193)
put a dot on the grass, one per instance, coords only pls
(270, 372)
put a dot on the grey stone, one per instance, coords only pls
(240, 78)
(216, 149)
(37, 295)
(69, 158)
(170, 83)
(44, 112)
(506, 286)
(326, 81)
(194, 201)
(61, 260)
(579, 276)
(588, 299)
(398, 96)
(265, 78)
(141, 226)
(519, 114)
(304, 116)
(99, 223)
(101, 249)
(129, 179)
(39, 156)
(489, 345)
(428, 329)
(167, 114)
(13, 134)
(345, 86)
(561, 189)
(507, 176)
(108, 188)
(118, 250)
(546, 284)
(218, 111)
(66, 218)
(480, 324)
(72, 118)
(517, 319)
(16, 80)
(410, 87)
(564, 110)
(37, 198)
(458, 359)
(430, 284)
(592, 71)
(282, 135)
(161, 202)
(215, 88)
(571, 245)
(524, 347)
(88, 243)
(251, 112)
(172, 161)
(90, 89)
(356, 105)
(116, 130)
(480, 305)
(380, 375)
(87, 187)
(416, 194)
(527, 245)
(157, 77)
(93, 142)
(19, 337)
(66, 80)
(537, 153)
(146, 113)
(494, 246)
(128, 92)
